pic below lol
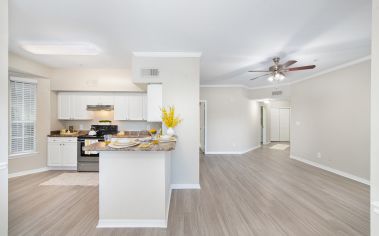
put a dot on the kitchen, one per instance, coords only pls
(79, 111)
(76, 100)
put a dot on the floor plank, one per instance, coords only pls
(262, 192)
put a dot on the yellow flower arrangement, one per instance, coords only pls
(169, 118)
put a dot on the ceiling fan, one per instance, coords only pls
(277, 71)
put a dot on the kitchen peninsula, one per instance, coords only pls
(134, 185)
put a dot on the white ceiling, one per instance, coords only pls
(233, 36)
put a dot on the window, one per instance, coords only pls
(22, 112)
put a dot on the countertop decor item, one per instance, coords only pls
(105, 122)
(170, 120)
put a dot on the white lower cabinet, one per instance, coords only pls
(62, 153)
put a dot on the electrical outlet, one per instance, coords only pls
(81, 127)
(319, 155)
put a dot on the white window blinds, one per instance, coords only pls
(23, 99)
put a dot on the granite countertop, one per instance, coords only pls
(100, 147)
(57, 134)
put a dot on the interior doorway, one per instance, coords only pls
(275, 120)
(203, 126)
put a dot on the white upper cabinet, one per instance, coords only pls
(64, 106)
(154, 102)
(80, 107)
(144, 111)
(121, 107)
(73, 107)
(129, 107)
(135, 107)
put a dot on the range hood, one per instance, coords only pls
(100, 107)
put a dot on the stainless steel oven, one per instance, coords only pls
(89, 161)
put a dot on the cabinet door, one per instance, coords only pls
(121, 107)
(79, 107)
(144, 107)
(64, 106)
(54, 154)
(154, 102)
(135, 107)
(69, 154)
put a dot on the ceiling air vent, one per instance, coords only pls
(277, 93)
(148, 73)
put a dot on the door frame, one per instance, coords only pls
(205, 125)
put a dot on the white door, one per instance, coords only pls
(54, 154)
(64, 106)
(202, 126)
(135, 107)
(275, 125)
(284, 125)
(121, 107)
(264, 125)
(69, 154)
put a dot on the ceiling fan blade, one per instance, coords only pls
(258, 71)
(301, 68)
(289, 63)
(260, 76)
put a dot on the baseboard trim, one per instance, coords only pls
(62, 167)
(185, 186)
(27, 172)
(233, 152)
(119, 223)
(335, 171)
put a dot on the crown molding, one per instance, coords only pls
(167, 54)
(339, 67)
(223, 86)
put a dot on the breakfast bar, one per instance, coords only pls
(134, 184)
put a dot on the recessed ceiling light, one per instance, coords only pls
(61, 48)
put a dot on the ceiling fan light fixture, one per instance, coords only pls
(271, 78)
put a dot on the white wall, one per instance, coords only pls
(264, 93)
(25, 66)
(233, 121)
(330, 115)
(375, 116)
(180, 77)
(4, 117)
(93, 80)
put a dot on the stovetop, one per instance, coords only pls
(101, 130)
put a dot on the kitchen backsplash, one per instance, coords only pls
(108, 115)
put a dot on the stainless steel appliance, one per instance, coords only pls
(89, 161)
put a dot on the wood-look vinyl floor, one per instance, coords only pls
(262, 192)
